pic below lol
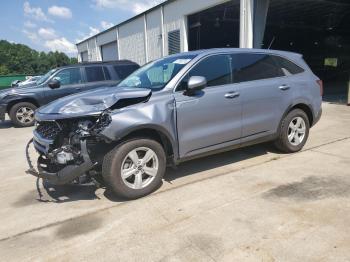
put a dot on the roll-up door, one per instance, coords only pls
(109, 52)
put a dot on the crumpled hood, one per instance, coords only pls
(92, 102)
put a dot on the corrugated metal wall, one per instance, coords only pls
(132, 41)
(132, 38)
(92, 51)
(154, 34)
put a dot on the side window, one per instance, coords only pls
(69, 76)
(288, 67)
(216, 69)
(125, 70)
(249, 67)
(107, 74)
(94, 74)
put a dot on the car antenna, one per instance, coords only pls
(273, 40)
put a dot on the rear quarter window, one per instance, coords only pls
(288, 67)
(94, 74)
(124, 71)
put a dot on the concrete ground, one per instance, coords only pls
(251, 204)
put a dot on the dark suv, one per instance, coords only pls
(20, 103)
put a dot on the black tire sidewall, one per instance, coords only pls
(112, 165)
(286, 145)
(13, 111)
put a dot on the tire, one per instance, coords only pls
(119, 157)
(283, 142)
(27, 110)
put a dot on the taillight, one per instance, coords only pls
(320, 83)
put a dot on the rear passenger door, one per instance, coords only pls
(265, 93)
(97, 76)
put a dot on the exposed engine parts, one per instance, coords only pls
(63, 155)
(66, 147)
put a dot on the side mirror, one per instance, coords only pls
(15, 83)
(196, 83)
(54, 83)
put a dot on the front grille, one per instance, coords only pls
(48, 129)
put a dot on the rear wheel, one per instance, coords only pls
(134, 168)
(294, 132)
(22, 114)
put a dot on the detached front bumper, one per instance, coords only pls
(2, 112)
(65, 175)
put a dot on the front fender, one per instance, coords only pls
(157, 114)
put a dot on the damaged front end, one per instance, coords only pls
(69, 148)
(68, 134)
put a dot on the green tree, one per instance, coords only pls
(20, 59)
(4, 70)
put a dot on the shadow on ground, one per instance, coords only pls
(217, 160)
(69, 193)
(6, 124)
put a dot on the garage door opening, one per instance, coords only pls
(318, 29)
(215, 27)
(109, 52)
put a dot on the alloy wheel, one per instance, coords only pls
(296, 131)
(25, 115)
(139, 168)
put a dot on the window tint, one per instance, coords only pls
(69, 76)
(249, 67)
(288, 67)
(94, 73)
(125, 70)
(216, 69)
(107, 75)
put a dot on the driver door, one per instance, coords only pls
(71, 82)
(211, 118)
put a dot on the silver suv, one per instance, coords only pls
(175, 109)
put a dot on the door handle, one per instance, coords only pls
(232, 95)
(284, 87)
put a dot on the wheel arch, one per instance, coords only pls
(156, 133)
(21, 100)
(307, 108)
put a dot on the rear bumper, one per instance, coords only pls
(317, 118)
(2, 112)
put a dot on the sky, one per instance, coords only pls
(57, 25)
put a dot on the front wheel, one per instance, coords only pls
(293, 132)
(22, 114)
(134, 168)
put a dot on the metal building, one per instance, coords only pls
(163, 30)
(319, 29)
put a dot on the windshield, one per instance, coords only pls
(46, 76)
(157, 74)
